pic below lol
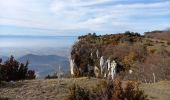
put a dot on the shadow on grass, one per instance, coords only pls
(10, 85)
(4, 98)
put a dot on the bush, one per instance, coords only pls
(78, 93)
(103, 91)
(51, 77)
(12, 70)
(111, 90)
(168, 43)
(2, 98)
(132, 92)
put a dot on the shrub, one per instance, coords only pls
(4, 98)
(132, 92)
(78, 93)
(152, 51)
(108, 90)
(129, 59)
(12, 70)
(103, 91)
(117, 90)
(51, 77)
(168, 43)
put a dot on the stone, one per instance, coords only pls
(130, 71)
(101, 64)
(96, 71)
(97, 53)
(72, 65)
(113, 69)
(109, 68)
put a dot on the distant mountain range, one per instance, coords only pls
(44, 64)
(42, 59)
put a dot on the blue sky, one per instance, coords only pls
(77, 17)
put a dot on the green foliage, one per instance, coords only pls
(12, 70)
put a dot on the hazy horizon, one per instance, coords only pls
(40, 45)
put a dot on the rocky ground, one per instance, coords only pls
(54, 89)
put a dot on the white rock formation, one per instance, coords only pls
(91, 55)
(130, 71)
(113, 69)
(72, 66)
(97, 53)
(154, 77)
(105, 69)
(109, 68)
(101, 64)
(96, 71)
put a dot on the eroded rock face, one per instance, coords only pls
(105, 68)
(113, 69)
(109, 67)
(96, 71)
(72, 66)
(97, 53)
(101, 64)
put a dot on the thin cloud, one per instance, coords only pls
(94, 15)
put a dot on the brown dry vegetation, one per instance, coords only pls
(52, 90)
(163, 35)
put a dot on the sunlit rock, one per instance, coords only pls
(105, 69)
(108, 68)
(113, 69)
(91, 55)
(97, 53)
(130, 71)
(96, 71)
(101, 64)
(72, 66)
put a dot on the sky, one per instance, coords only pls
(77, 17)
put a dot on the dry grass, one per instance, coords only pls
(53, 90)
(157, 44)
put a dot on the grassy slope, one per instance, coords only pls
(164, 35)
(157, 44)
(52, 90)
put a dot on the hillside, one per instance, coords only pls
(45, 64)
(137, 57)
(52, 90)
(163, 35)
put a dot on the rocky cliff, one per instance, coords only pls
(126, 55)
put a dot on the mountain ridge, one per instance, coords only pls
(45, 64)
